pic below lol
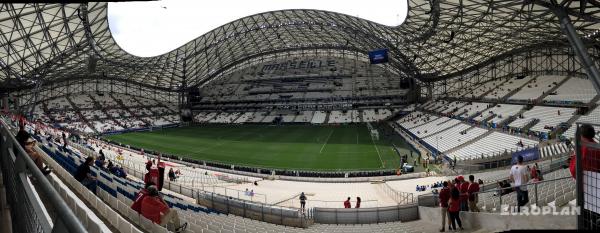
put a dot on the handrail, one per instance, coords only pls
(398, 196)
(64, 213)
(528, 184)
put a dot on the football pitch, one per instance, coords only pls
(306, 147)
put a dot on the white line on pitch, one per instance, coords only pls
(326, 140)
(377, 149)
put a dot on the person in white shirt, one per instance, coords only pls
(519, 176)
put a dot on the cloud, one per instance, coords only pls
(148, 29)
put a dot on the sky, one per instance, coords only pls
(153, 28)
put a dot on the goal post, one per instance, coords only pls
(375, 135)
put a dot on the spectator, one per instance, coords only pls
(148, 165)
(347, 203)
(463, 188)
(84, 176)
(520, 177)
(472, 191)
(110, 167)
(22, 135)
(506, 187)
(444, 197)
(534, 173)
(589, 157)
(171, 174)
(100, 163)
(454, 208)
(102, 156)
(500, 191)
(64, 137)
(252, 192)
(480, 182)
(302, 201)
(137, 203)
(154, 208)
(35, 156)
(119, 171)
(357, 202)
(247, 192)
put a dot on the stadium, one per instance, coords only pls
(468, 115)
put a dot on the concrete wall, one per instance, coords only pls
(497, 222)
(366, 215)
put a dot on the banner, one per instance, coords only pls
(528, 155)
(379, 56)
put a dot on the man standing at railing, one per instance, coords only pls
(444, 197)
(463, 187)
(472, 191)
(519, 176)
(302, 201)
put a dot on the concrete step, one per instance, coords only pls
(541, 98)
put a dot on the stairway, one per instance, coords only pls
(506, 97)
(512, 118)
(530, 124)
(97, 105)
(492, 89)
(81, 116)
(594, 101)
(489, 118)
(327, 117)
(469, 141)
(360, 116)
(122, 105)
(541, 98)
(443, 130)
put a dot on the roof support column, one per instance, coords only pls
(579, 47)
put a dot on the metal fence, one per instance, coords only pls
(28, 212)
(366, 215)
(230, 201)
(397, 196)
(587, 172)
(498, 196)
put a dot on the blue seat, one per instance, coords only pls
(108, 189)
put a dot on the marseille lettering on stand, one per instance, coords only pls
(303, 64)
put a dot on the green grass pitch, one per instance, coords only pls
(306, 147)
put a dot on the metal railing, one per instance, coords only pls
(313, 203)
(397, 196)
(28, 211)
(231, 201)
(533, 189)
(587, 171)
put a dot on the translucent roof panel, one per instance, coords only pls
(153, 28)
(41, 43)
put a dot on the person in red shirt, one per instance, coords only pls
(149, 165)
(462, 188)
(155, 209)
(347, 203)
(454, 208)
(590, 157)
(472, 191)
(444, 197)
(137, 203)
